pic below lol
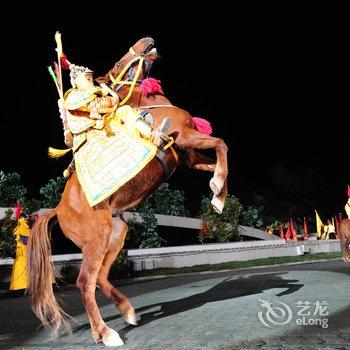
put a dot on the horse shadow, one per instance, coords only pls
(227, 289)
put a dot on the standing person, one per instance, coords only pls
(19, 276)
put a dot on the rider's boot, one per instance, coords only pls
(157, 136)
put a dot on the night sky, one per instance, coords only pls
(269, 84)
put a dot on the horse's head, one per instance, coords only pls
(125, 69)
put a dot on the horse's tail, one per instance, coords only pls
(202, 125)
(41, 276)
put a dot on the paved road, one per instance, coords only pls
(303, 306)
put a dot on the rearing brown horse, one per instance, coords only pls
(100, 231)
(143, 55)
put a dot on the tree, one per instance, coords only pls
(7, 241)
(11, 189)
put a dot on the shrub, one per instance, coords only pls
(149, 237)
(52, 192)
(220, 228)
(169, 202)
(163, 201)
(253, 217)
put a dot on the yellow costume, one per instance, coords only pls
(110, 144)
(19, 277)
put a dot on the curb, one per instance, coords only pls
(154, 277)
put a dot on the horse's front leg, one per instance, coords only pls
(194, 139)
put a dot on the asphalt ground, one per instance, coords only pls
(302, 306)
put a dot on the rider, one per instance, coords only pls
(88, 106)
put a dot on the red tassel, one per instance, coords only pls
(64, 62)
(203, 125)
(151, 86)
(18, 211)
(348, 191)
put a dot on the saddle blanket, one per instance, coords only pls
(105, 163)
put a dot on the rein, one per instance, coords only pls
(118, 80)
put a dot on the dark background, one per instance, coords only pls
(269, 80)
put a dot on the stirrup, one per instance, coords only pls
(159, 137)
(164, 126)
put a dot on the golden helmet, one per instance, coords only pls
(76, 71)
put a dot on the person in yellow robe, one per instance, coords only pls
(19, 276)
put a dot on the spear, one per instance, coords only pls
(59, 55)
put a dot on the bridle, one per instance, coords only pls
(129, 69)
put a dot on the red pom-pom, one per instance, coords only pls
(151, 86)
(202, 125)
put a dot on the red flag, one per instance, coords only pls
(64, 62)
(57, 72)
(306, 231)
(348, 191)
(281, 231)
(294, 232)
(288, 233)
(18, 211)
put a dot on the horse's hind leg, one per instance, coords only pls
(193, 139)
(116, 243)
(346, 256)
(93, 254)
(198, 161)
(344, 231)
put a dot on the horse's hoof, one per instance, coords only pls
(111, 338)
(216, 185)
(218, 205)
(130, 318)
